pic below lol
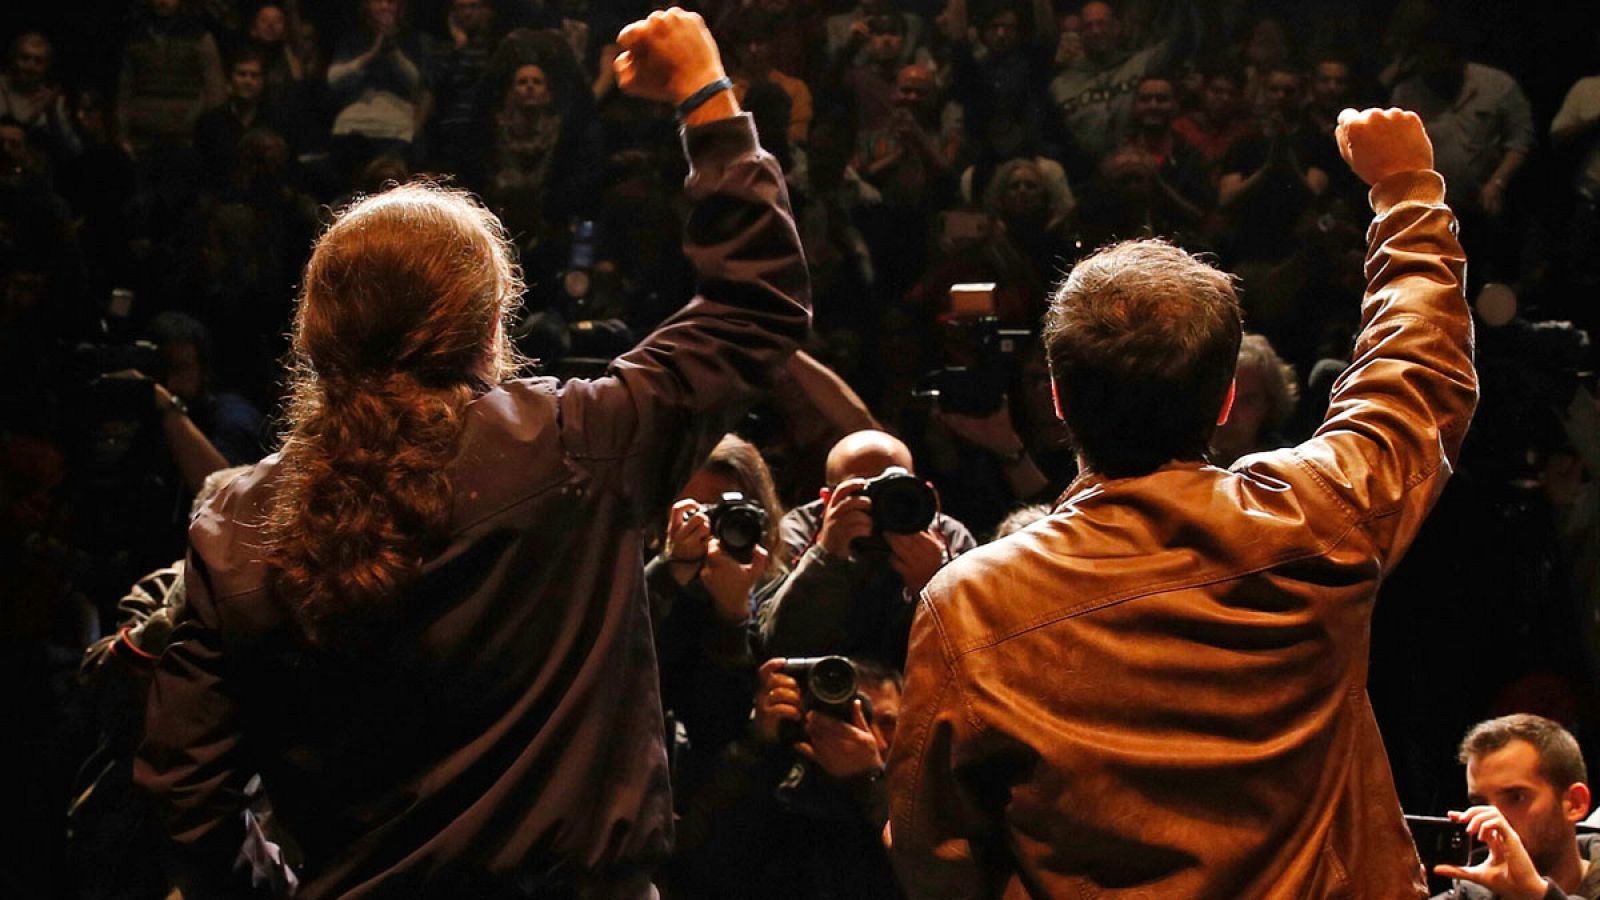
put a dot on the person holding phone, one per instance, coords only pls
(1529, 788)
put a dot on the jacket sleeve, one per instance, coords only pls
(663, 402)
(944, 844)
(191, 761)
(1398, 414)
(808, 612)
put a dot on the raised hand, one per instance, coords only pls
(1508, 871)
(667, 56)
(1378, 143)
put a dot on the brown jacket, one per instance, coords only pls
(1159, 691)
(507, 740)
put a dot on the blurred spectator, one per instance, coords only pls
(228, 422)
(1482, 130)
(1332, 89)
(30, 95)
(848, 35)
(171, 71)
(1001, 84)
(1183, 186)
(866, 81)
(1269, 180)
(1094, 89)
(1219, 122)
(456, 70)
(1264, 396)
(908, 160)
(1576, 127)
(853, 586)
(1032, 200)
(378, 86)
(538, 160)
(218, 130)
(1265, 50)
(752, 63)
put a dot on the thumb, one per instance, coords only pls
(861, 717)
(806, 750)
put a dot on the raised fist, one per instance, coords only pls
(667, 56)
(1378, 143)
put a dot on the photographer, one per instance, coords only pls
(720, 544)
(800, 799)
(856, 577)
(1529, 789)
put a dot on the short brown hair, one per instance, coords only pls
(1142, 340)
(1560, 759)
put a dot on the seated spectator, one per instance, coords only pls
(171, 71)
(1031, 199)
(218, 130)
(1271, 179)
(1332, 89)
(853, 586)
(1264, 396)
(799, 801)
(30, 95)
(378, 86)
(1529, 788)
(909, 158)
(1218, 123)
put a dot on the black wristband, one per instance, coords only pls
(699, 98)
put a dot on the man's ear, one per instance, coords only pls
(1575, 802)
(1055, 400)
(1227, 402)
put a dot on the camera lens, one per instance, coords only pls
(901, 502)
(832, 680)
(738, 525)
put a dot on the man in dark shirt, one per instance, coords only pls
(1269, 180)
(218, 130)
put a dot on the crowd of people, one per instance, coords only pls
(166, 165)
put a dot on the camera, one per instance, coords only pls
(738, 525)
(978, 387)
(902, 503)
(827, 685)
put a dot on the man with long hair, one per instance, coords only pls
(422, 621)
(1159, 689)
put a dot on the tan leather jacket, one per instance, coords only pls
(1159, 691)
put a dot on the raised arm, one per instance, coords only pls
(1398, 414)
(685, 381)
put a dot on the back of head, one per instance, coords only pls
(1142, 340)
(399, 326)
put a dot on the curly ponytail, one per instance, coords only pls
(401, 323)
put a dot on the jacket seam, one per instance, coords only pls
(1115, 599)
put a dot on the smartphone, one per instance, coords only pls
(1440, 840)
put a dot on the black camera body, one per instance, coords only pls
(828, 685)
(978, 388)
(902, 503)
(738, 525)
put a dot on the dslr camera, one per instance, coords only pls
(902, 503)
(827, 685)
(738, 525)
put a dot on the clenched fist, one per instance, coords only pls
(1378, 143)
(667, 56)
